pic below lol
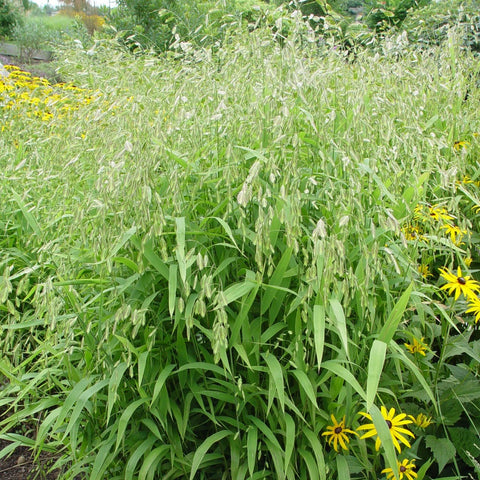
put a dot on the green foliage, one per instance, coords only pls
(9, 18)
(208, 256)
(384, 15)
(430, 25)
(160, 23)
(37, 32)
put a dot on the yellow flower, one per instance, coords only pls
(405, 469)
(459, 284)
(412, 232)
(460, 145)
(395, 424)
(416, 347)
(338, 433)
(474, 308)
(424, 271)
(454, 231)
(468, 261)
(421, 420)
(439, 213)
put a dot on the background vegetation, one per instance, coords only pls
(207, 253)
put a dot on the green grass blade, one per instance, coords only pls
(343, 471)
(172, 288)
(289, 439)
(276, 279)
(317, 449)
(306, 386)
(71, 400)
(152, 460)
(386, 438)
(252, 437)
(276, 373)
(113, 385)
(32, 223)
(81, 402)
(102, 460)
(375, 368)
(319, 332)
(307, 457)
(125, 419)
(391, 325)
(160, 382)
(340, 323)
(203, 449)
(336, 368)
(136, 455)
(238, 290)
(154, 260)
(180, 248)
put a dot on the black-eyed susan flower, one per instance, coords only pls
(405, 469)
(474, 308)
(424, 271)
(438, 213)
(417, 346)
(460, 145)
(459, 284)
(421, 420)
(395, 424)
(468, 261)
(456, 233)
(338, 434)
(412, 232)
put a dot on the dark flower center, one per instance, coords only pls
(338, 430)
(389, 423)
(403, 468)
(461, 281)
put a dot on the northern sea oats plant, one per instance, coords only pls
(208, 263)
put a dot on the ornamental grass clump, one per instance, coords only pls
(205, 268)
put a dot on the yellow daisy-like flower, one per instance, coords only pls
(439, 213)
(421, 420)
(405, 469)
(459, 284)
(474, 308)
(412, 232)
(468, 261)
(460, 145)
(338, 433)
(417, 346)
(395, 424)
(424, 271)
(456, 233)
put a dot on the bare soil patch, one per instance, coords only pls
(21, 465)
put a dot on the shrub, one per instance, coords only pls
(429, 25)
(9, 18)
(159, 23)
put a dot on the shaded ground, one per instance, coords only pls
(20, 465)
